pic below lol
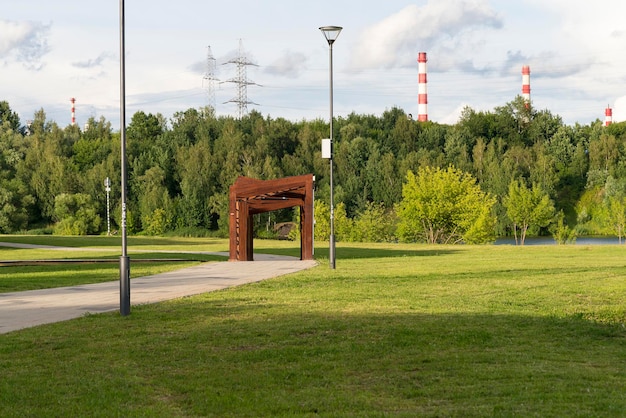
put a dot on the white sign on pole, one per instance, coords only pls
(326, 152)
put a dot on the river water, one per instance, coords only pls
(551, 241)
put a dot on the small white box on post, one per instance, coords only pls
(326, 151)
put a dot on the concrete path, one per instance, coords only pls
(36, 307)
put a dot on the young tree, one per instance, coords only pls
(445, 206)
(616, 215)
(8, 116)
(527, 207)
(342, 224)
(76, 214)
(614, 207)
(374, 224)
(562, 233)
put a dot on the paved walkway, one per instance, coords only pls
(36, 307)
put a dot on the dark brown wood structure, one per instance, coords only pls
(249, 196)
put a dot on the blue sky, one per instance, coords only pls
(51, 51)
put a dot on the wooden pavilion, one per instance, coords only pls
(250, 196)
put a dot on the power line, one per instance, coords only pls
(242, 82)
(209, 78)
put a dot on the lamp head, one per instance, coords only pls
(331, 33)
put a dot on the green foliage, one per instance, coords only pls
(322, 220)
(616, 215)
(186, 165)
(591, 212)
(294, 233)
(9, 117)
(374, 224)
(562, 233)
(14, 206)
(343, 224)
(444, 206)
(527, 208)
(156, 223)
(75, 215)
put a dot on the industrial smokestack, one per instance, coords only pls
(608, 116)
(526, 84)
(422, 92)
(73, 100)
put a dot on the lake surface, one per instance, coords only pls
(551, 241)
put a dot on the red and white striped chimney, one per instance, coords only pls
(73, 100)
(608, 116)
(526, 84)
(422, 92)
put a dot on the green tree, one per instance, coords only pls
(444, 206)
(15, 198)
(76, 214)
(197, 181)
(562, 233)
(14, 204)
(343, 224)
(457, 148)
(527, 207)
(9, 117)
(513, 120)
(374, 224)
(386, 182)
(613, 211)
(616, 215)
(94, 145)
(46, 167)
(604, 153)
(155, 205)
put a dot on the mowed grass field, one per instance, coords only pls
(148, 256)
(395, 330)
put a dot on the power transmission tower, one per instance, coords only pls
(242, 82)
(209, 79)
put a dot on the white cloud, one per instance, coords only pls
(440, 24)
(290, 64)
(94, 62)
(619, 110)
(24, 41)
(454, 116)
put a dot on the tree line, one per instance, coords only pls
(533, 174)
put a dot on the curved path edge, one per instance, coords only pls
(19, 310)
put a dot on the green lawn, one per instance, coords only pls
(93, 248)
(395, 330)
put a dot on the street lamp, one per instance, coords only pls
(331, 33)
(124, 259)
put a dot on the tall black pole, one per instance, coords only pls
(331, 33)
(331, 250)
(124, 260)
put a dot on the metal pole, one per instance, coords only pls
(107, 187)
(124, 260)
(332, 200)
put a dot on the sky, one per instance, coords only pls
(52, 51)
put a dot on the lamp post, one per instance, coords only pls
(124, 259)
(331, 33)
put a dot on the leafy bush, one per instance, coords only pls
(343, 224)
(375, 224)
(76, 214)
(562, 233)
(155, 223)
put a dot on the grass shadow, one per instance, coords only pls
(347, 252)
(106, 241)
(225, 357)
